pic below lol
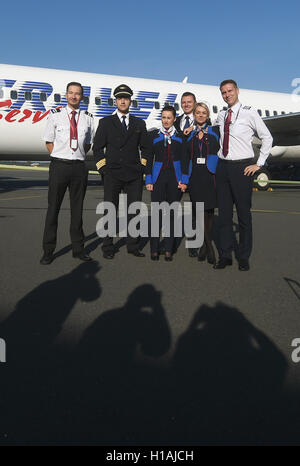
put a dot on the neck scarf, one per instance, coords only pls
(168, 133)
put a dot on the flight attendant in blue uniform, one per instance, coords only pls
(166, 173)
(202, 149)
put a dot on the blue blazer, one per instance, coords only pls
(179, 157)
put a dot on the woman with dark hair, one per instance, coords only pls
(202, 148)
(166, 174)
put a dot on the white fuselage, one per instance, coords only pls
(27, 95)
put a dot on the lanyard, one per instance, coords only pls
(76, 123)
(204, 138)
(233, 122)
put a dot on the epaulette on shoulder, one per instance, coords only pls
(89, 114)
(55, 110)
(246, 107)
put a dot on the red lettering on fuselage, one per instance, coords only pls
(5, 103)
(11, 115)
(27, 114)
(38, 116)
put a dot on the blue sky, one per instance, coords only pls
(256, 43)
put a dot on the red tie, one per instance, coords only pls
(73, 128)
(226, 133)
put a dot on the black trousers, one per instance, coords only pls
(113, 186)
(63, 175)
(233, 187)
(165, 189)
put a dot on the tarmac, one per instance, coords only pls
(135, 352)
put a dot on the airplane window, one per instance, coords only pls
(43, 96)
(176, 106)
(224, 108)
(282, 113)
(110, 102)
(86, 99)
(134, 104)
(1, 93)
(13, 95)
(275, 113)
(28, 95)
(267, 113)
(98, 100)
(259, 112)
(156, 105)
(57, 98)
(215, 109)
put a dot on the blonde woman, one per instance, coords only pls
(202, 147)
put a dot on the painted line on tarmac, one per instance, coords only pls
(264, 211)
(16, 198)
(35, 168)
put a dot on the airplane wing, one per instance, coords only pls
(285, 129)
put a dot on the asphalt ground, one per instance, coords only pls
(136, 352)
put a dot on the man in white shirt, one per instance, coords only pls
(68, 138)
(188, 101)
(234, 178)
(184, 121)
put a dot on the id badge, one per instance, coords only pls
(201, 160)
(74, 143)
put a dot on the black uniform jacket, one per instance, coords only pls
(118, 150)
(177, 122)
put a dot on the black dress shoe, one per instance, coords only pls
(108, 255)
(202, 253)
(46, 259)
(223, 262)
(168, 257)
(244, 265)
(137, 253)
(155, 256)
(193, 252)
(82, 256)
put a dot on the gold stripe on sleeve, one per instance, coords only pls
(101, 164)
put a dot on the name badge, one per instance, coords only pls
(201, 160)
(74, 144)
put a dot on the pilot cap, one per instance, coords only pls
(123, 91)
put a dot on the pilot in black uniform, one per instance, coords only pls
(117, 145)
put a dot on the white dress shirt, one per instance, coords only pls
(245, 123)
(58, 131)
(182, 121)
(120, 115)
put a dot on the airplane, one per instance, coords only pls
(27, 94)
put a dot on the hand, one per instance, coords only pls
(149, 187)
(182, 187)
(251, 169)
(187, 131)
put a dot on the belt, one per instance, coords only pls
(56, 159)
(251, 159)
